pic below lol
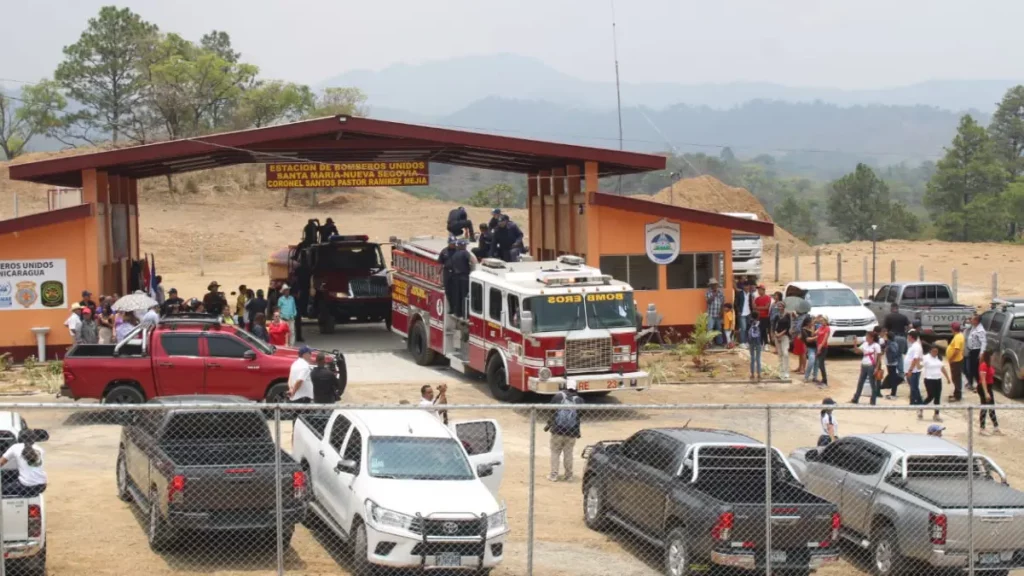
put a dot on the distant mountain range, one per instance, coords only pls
(443, 87)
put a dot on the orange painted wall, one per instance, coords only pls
(67, 240)
(617, 232)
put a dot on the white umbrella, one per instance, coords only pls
(136, 302)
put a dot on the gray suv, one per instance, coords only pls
(1004, 331)
(904, 497)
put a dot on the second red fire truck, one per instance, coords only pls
(530, 325)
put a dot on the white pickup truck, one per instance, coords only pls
(24, 519)
(404, 490)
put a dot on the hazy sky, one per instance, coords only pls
(847, 44)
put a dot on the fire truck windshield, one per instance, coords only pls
(361, 257)
(564, 312)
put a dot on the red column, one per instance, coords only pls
(535, 215)
(544, 180)
(558, 192)
(573, 180)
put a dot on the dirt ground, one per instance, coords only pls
(83, 510)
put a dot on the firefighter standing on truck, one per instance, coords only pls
(461, 264)
(507, 241)
(459, 222)
(444, 259)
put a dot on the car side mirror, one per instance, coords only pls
(249, 355)
(526, 322)
(347, 466)
(484, 470)
(813, 455)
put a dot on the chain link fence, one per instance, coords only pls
(211, 485)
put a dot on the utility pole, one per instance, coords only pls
(618, 90)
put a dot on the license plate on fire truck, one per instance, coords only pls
(605, 384)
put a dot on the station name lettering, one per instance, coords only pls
(578, 298)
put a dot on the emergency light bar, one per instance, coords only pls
(566, 280)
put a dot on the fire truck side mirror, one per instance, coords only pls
(526, 322)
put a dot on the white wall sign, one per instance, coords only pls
(33, 284)
(662, 241)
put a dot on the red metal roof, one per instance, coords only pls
(335, 139)
(682, 214)
(41, 219)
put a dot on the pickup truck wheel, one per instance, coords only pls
(278, 393)
(593, 507)
(124, 394)
(677, 553)
(1011, 384)
(419, 345)
(122, 477)
(885, 553)
(360, 549)
(157, 533)
(497, 380)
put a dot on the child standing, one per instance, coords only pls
(754, 338)
(728, 323)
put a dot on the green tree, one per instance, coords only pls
(272, 101)
(36, 112)
(102, 71)
(798, 218)
(970, 170)
(860, 200)
(1007, 131)
(499, 195)
(220, 44)
(341, 101)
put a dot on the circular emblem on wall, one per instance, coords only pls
(26, 294)
(52, 293)
(440, 306)
(663, 239)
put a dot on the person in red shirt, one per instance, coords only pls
(821, 335)
(763, 305)
(278, 330)
(986, 375)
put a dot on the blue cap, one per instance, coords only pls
(303, 350)
(936, 428)
(461, 242)
(496, 211)
(504, 218)
(452, 239)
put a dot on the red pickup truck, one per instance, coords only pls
(183, 357)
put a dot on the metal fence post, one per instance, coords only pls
(867, 281)
(956, 283)
(796, 267)
(817, 265)
(776, 261)
(3, 559)
(768, 493)
(530, 488)
(920, 273)
(995, 285)
(970, 489)
(839, 267)
(892, 271)
(201, 271)
(279, 505)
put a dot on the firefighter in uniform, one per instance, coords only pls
(507, 241)
(327, 231)
(444, 259)
(461, 264)
(495, 218)
(459, 222)
(484, 240)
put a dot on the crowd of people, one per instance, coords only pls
(891, 354)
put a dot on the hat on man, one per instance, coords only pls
(461, 242)
(213, 286)
(761, 287)
(172, 291)
(570, 384)
(86, 293)
(496, 211)
(452, 239)
(285, 287)
(504, 218)
(76, 306)
(935, 429)
(303, 350)
(86, 310)
(713, 282)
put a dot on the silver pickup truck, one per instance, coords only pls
(904, 497)
(930, 303)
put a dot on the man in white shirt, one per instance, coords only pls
(428, 400)
(912, 366)
(74, 322)
(300, 384)
(152, 317)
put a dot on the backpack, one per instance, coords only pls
(567, 419)
(754, 332)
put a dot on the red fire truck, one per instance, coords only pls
(530, 325)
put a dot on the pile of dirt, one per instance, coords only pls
(710, 194)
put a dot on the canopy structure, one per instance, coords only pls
(336, 139)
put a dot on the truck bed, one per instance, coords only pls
(102, 350)
(753, 492)
(222, 454)
(952, 493)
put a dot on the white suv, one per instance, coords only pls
(847, 316)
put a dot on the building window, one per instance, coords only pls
(693, 271)
(637, 270)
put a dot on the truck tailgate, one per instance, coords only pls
(944, 316)
(235, 488)
(794, 526)
(995, 530)
(15, 519)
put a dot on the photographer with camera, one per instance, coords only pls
(427, 399)
(564, 425)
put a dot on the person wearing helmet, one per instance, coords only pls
(829, 426)
(459, 222)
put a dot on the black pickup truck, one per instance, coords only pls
(199, 469)
(699, 495)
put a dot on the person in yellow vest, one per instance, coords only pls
(955, 357)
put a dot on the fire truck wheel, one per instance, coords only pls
(419, 346)
(497, 379)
